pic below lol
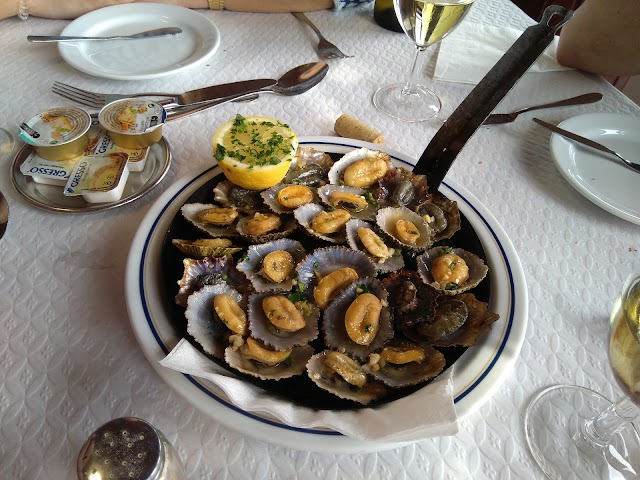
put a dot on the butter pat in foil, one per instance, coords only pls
(99, 178)
(133, 123)
(103, 144)
(49, 172)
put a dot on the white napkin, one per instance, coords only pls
(471, 50)
(428, 412)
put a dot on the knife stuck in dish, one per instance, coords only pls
(449, 140)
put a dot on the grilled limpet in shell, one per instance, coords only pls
(363, 237)
(441, 214)
(320, 223)
(451, 271)
(402, 363)
(405, 227)
(211, 323)
(258, 360)
(285, 198)
(271, 266)
(205, 247)
(322, 262)
(339, 374)
(358, 320)
(215, 220)
(357, 201)
(281, 323)
(264, 227)
(360, 168)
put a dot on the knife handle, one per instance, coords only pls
(579, 100)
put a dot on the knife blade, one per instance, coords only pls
(226, 90)
(449, 140)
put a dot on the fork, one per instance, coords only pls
(326, 49)
(99, 100)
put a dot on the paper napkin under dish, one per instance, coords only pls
(428, 412)
(472, 50)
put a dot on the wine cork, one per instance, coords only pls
(350, 127)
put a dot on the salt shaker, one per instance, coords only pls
(129, 448)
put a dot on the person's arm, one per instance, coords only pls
(602, 37)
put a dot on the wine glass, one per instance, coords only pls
(425, 22)
(574, 432)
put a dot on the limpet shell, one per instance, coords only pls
(270, 197)
(296, 366)
(209, 271)
(477, 270)
(478, 323)
(330, 381)
(251, 264)
(412, 373)
(189, 248)
(309, 167)
(333, 319)
(444, 213)
(305, 214)
(231, 195)
(287, 226)
(386, 220)
(368, 212)
(202, 323)
(323, 261)
(336, 174)
(262, 329)
(190, 213)
(383, 265)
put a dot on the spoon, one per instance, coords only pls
(294, 82)
(4, 214)
(158, 32)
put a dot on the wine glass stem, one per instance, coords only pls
(410, 86)
(599, 431)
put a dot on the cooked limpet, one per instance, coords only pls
(285, 198)
(310, 168)
(363, 237)
(441, 214)
(451, 270)
(357, 201)
(264, 227)
(327, 226)
(339, 374)
(358, 320)
(318, 265)
(281, 322)
(212, 322)
(478, 323)
(212, 219)
(255, 359)
(405, 227)
(230, 195)
(360, 168)
(205, 247)
(401, 363)
(271, 266)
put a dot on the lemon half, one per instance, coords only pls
(254, 152)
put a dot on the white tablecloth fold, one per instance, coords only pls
(427, 413)
(472, 49)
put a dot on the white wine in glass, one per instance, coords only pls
(426, 23)
(574, 432)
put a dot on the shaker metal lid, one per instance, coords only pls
(124, 448)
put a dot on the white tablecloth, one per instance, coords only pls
(69, 360)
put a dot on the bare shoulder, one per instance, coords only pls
(602, 38)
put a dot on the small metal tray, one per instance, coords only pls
(51, 197)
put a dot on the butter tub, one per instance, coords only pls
(99, 178)
(133, 122)
(58, 134)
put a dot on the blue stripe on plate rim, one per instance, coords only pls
(268, 421)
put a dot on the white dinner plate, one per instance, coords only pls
(477, 375)
(601, 177)
(145, 58)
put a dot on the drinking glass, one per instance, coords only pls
(424, 22)
(574, 432)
